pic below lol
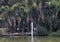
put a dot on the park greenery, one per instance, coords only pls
(19, 13)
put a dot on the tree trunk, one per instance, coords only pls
(51, 27)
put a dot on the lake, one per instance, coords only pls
(27, 39)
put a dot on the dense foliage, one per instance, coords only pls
(19, 13)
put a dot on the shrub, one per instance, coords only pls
(57, 33)
(42, 31)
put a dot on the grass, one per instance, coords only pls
(27, 39)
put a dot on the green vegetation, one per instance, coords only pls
(42, 31)
(55, 34)
(19, 13)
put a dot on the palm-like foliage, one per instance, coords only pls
(18, 9)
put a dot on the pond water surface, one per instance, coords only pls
(28, 39)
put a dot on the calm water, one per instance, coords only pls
(27, 39)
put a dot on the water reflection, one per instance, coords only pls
(28, 39)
